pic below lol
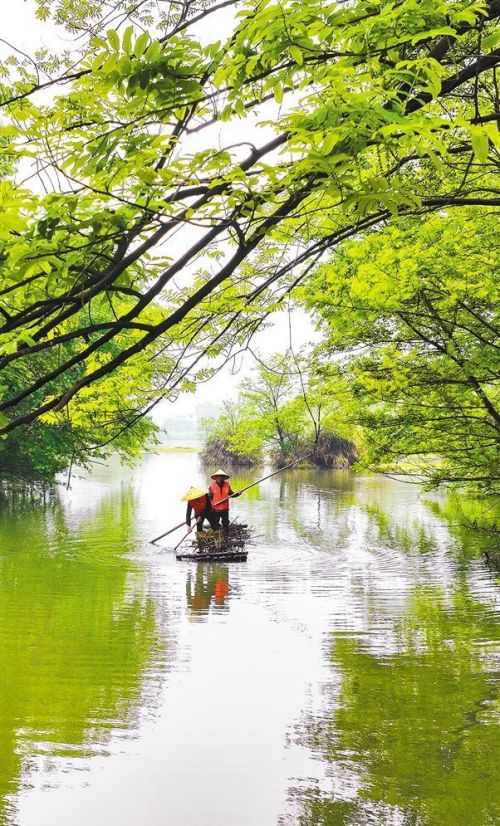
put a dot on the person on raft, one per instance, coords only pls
(198, 502)
(219, 493)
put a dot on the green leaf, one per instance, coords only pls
(491, 41)
(9, 131)
(147, 175)
(480, 143)
(154, 51)
(114, 39)
(444, 31)
(297, 55)
(99, 62)
(127, 39)
(329, 143)
(144, 78)
(141, 44)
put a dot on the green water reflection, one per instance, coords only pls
(412, 737)
(475, 524)
(78, 634)
(415, 537)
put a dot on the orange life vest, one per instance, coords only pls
(199, 505)
(218, 494)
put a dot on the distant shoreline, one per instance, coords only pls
(174, 447)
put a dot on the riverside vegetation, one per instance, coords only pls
(284, 415)
(382, 227)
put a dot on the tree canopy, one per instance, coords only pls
(188, 185)
(412, 310)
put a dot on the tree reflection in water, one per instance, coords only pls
(78, 637)
(412, 739)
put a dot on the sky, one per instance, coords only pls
(224, 385)
(22, 30)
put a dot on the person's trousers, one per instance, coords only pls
(210, 516)
(222, 516)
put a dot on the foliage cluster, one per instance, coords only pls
(412, 310)
(387, 109)
(105, 417)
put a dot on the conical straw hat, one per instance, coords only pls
(193, 493)
(220, 473)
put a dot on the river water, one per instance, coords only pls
(344, 675)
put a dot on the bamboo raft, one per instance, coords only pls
(217, 546)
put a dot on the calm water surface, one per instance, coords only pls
(345, 675)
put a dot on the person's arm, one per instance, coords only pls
(232, 494)
(188, 515)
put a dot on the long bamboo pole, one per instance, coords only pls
(252, 485)
(285, 467)
(176, 528)
(184, 537)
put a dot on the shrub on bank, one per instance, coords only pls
(330, 452)
(333, 451)
(221, 453)
(230, 438)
